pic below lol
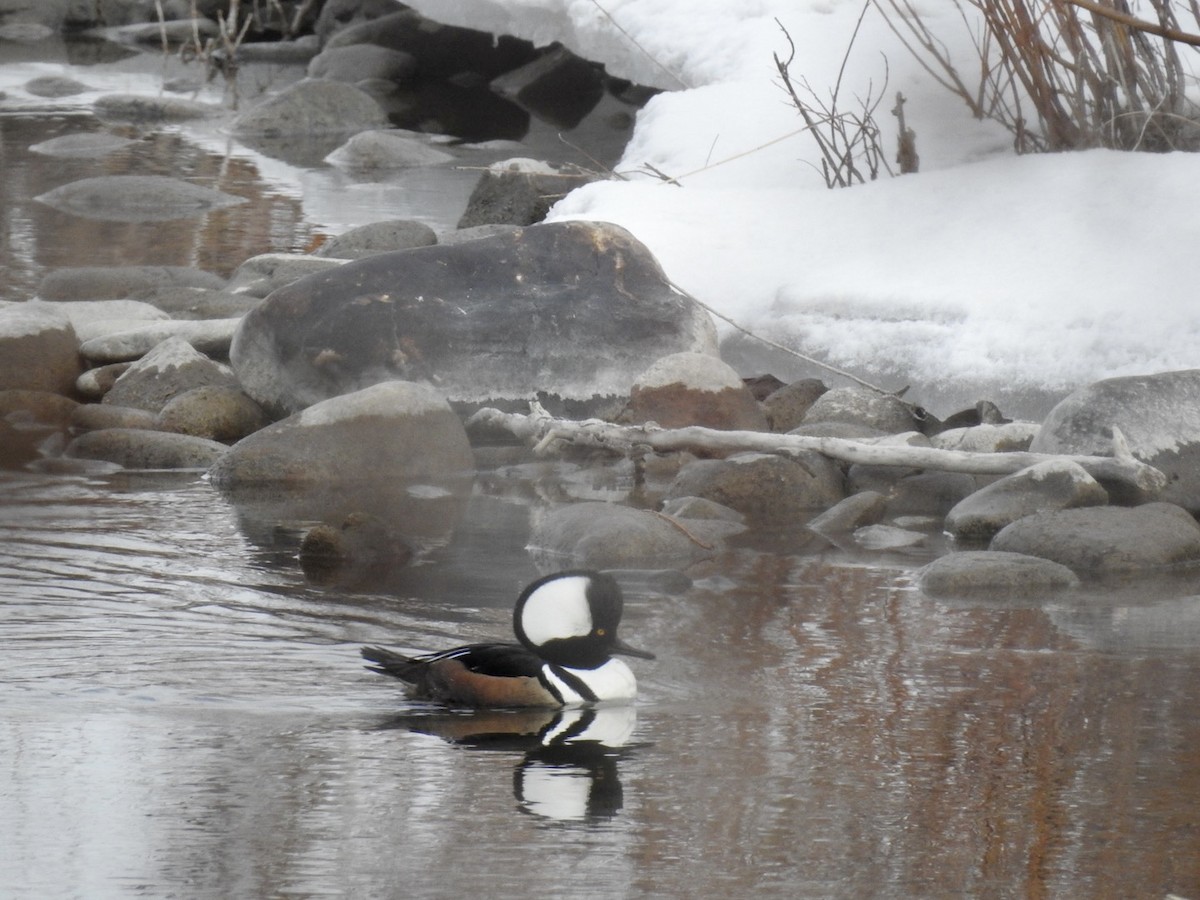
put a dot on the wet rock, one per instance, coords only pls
(476, 232)
(379, 237)
(96, 318)
(442, 51)
(860, 406)
(136, 198)
(558, 87)
(167, 371)
(148, 109)
(994, 574)
(394, 430)
(211, 336)
(766, 488)
(1055, 484)
(1159, 415)
(55, 86)
(605, 535)
(360, 62)
(887, 537)
(1007, 438)
(260, 275)
(199, 303)
(139, 449)
(928, 493)
(787, 406)
(1106, 539)
(217, 412)
(520, 192)
(117, 282)
(39, 350)
(705, 521)
(571, 310)
(856, 511)
(387, 150)
(99, 416)
(82, 146)
(693, 389)
(309, 107)
(362, 551)
(36, 406)
(95, 383)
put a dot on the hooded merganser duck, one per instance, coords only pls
(567, 627)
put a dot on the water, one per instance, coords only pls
(184, 715)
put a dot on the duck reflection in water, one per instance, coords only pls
(568, 771)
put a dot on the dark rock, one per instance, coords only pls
(82, 146)
(379, 237)
(311, 106)
(1056, 484)
(55, 86)
(360, 62)
(217, 412)
(391, 431)
(139, 449)
(787, 406)
(558, 87)
(39, 350)
(363, 551)
(762, 386)
(136, 198)
(929, 493)
(520, 192)
(19, 445)
(167, 371)
(281, 53)
(116, 282)
(856, 511)
(1106, 539)
(36, 406)
(1159, 415)
(99, 416)
(337, 15)
(766, 488)
(994, 575)
(685, 389)
(606, 536)
(571, 309)
(861, 406)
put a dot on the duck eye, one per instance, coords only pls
(600, 632)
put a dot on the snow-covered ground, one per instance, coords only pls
(983, 275)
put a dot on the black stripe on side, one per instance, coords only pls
(577, 684)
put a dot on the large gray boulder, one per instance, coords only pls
(606, 535)
(389, 432)
(767, 489)
(994, 575)
(170, 369)
(572, 310)
(1159, 415)
(312, 106)
(38, 349)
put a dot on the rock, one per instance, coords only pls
(211, 336)
(116, 282)
(95, 383)
(311, 106)
(705, 521)
(606, 536)
(96, 318)
(844, 430)
(362, 551)
(856, 511)
(379, 237)
(39, 350)
(787, 406)
(387, 150)
(36, 406)
(82, 146)
(887, 537)
(926, 493)
(476, 232)
(55, 86)
(860, 406)
(336, 15)
(280, 53)
(199, 303)
(762, 386)
(217, 412)
(167, 371)
(19, 445)
(395, 430)
(49, 14)
(138, 449)
(520, 192)
(441, 51)
(558, 87)
(766, 488)
(693, 389)
(260, 275)
(1055, 484)
(1103, 540)
(570, 310)
(1159, 415)
(99, 416)
(1011, 437)
(146, 109)
(360, 62)
(136, 198)
(994, 574)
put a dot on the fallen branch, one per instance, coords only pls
(543, 431)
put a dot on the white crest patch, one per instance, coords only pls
(558, 609)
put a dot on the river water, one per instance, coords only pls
(184, 715)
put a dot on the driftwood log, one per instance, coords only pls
(1135, 479)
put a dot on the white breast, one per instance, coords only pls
(612, 681)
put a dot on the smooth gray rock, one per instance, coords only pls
(311, 106)
(217, 412)
(55, 86)
(99, 416)
(95, 383)
(136, 198)
(1056, 484)
(387, 150)
(571, 310)
(148, 109)
(1106, 539)
(378, 237)
(211, 336)
(764, 487)
(606, 536)
(359, 62)
(119, 282)
(260, 275)
(1006, 438)
(139, 449)
(91, 145)
(520, 192)
(39, 349)
(856, 511)
(167, 371)
(995, 575)
(860, 406)
(97, 318)
(1159, 415)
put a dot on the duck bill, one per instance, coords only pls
(623, 648)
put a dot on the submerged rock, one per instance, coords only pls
(994, 574)
(136, 198)
(571, 310)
